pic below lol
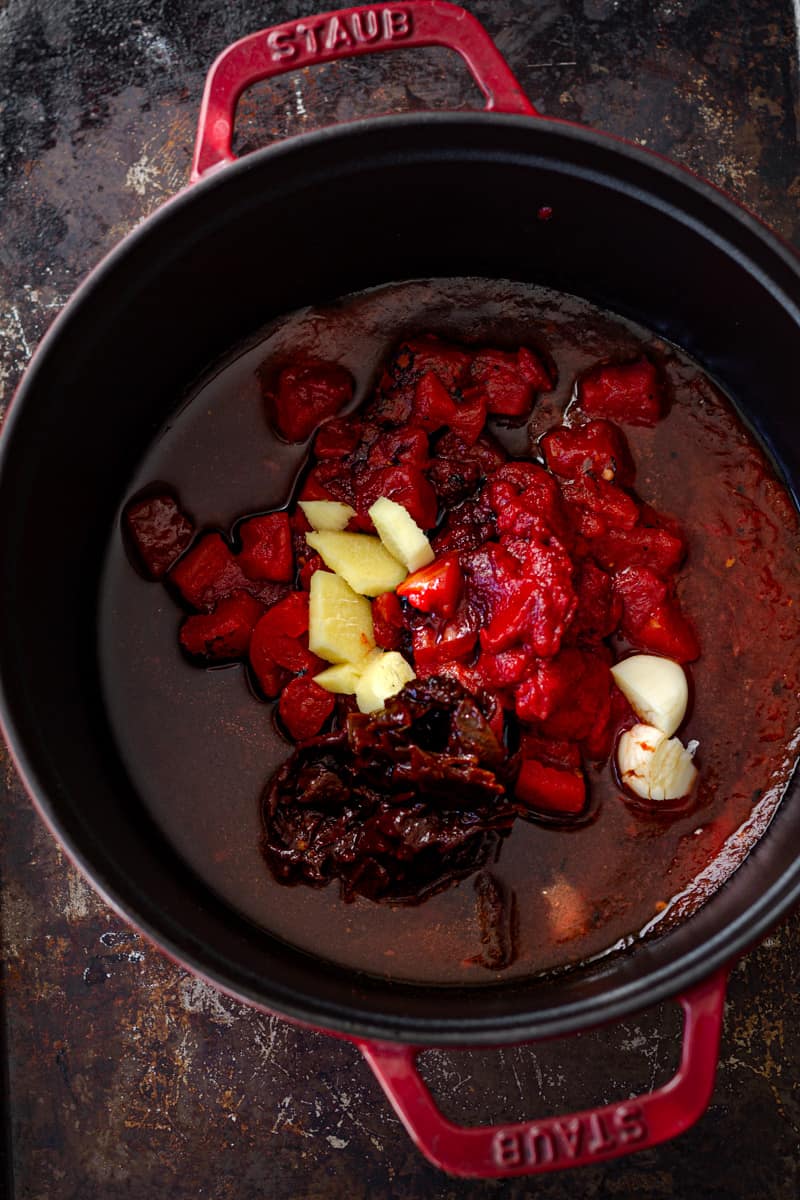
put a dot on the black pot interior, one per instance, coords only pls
(303, 223)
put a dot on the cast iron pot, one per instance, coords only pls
(303, 222)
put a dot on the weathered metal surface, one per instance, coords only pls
(125, 1076)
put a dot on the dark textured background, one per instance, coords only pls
(125, 1076)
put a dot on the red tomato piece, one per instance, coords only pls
(533, 368)
(406, 446)
(652, 619)
(266, 547)
(597, 448)
(305, 707)
(628, 392)
(508, 392)
(538, 610)
(667, 631)
(658, 549)
(307, 394)
(224, 633)
(555, 790)
(466, 527)
(614, 508)
(449, 363)
(387, 621)
(434, 407)
(505, 669)
(470, 416)
(208, 572)
(435, 588)
(405, 485)
(281, 635)
(599, 610)
(159, 531)
(338, 438)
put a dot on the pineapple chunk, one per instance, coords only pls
(400, 534)
(363, 561)
(339, 621)
(383, 676)
(327, 514)
(342, 678)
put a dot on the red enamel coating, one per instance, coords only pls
(345, 33)
(592, 1136)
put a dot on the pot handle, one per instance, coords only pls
(552, 1144)
(343, 34)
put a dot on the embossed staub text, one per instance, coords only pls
(310, 39)
(573, 1138)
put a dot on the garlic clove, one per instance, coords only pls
(655, 688)
(654, 766)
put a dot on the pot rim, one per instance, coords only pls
(667, 980)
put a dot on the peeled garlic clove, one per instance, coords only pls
(654, 766)
(655, 688)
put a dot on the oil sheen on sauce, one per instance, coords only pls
(200, 747)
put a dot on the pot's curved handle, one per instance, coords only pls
(342, 34)
(593, 1136)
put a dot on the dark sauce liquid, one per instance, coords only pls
(200, 747)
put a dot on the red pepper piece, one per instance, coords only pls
(225, 633)
(435, 588)
(434, 407)
(281, 635)
(387, 621)
(597, 448)
(158, 530)
(535, 370)
(307, 394)
(508, 392)
(305, 707)
(628, 392)
(436, 644)
(337, 438)
(266, 547)
(312, 564)
(552, 790)
(658, 549)
(405, 485)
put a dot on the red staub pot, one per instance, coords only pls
(327, 213)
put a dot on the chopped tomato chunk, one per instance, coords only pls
(628, 392)
(308, 393)
(224, 633)
(266, 547)
(305, 707)
(159, 531)
(508, 392)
